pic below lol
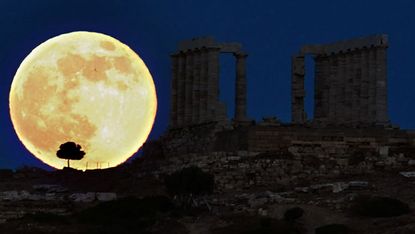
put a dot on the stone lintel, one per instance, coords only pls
(198, 42)
(231, 47)
(312, 49)
(208, 42)
(357, 43)
(380, 40)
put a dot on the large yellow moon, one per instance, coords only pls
(84, 87)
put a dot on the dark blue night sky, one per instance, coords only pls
(270, 31)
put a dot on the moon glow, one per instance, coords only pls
(84, 87)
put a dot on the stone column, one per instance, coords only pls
(341, 88)
(174, 84)
(348, 88)
(181, 66)
(298, 114)
(196, 87)
(381, 86)
(356, 85)
(372, 85)
(240, 87)
(364, 116)
(333, 90)
(188, 88)
(359, 84)
(318, 88)
(213, 84)
(203, 110)
(325, 75)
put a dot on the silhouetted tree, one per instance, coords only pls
(70, 151)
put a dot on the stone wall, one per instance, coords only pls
(273, 155)
(199, 138)
(300, 162)
(260, 138)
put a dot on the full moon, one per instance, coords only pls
(84, 87)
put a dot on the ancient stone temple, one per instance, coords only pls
(350, 83)
(348, 136)
(195, 82)
(350, 101)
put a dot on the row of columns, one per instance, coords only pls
(350, 88)
(195, 87)
(357, 87)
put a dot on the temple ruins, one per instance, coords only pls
(350, 83)
(350, 100)
(350, 132)
(195, 82)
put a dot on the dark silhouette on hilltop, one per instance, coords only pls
(190, 180)
(70, 151)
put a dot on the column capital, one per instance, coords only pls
(240, 54)
(212, 49)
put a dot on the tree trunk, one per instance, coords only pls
(68, 163)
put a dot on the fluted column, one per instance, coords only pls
(196, 87)
(325, 75)
(359, 84)
(188, 88)
(213, 83)
(356, 86)
(174, 85)
(348, 88)
(340, 90)
(181, 67)
(372, 85)
(318, 88)
(381, 86)
(240, 87)
(364, 116)
(203, 110)
(333, 80)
